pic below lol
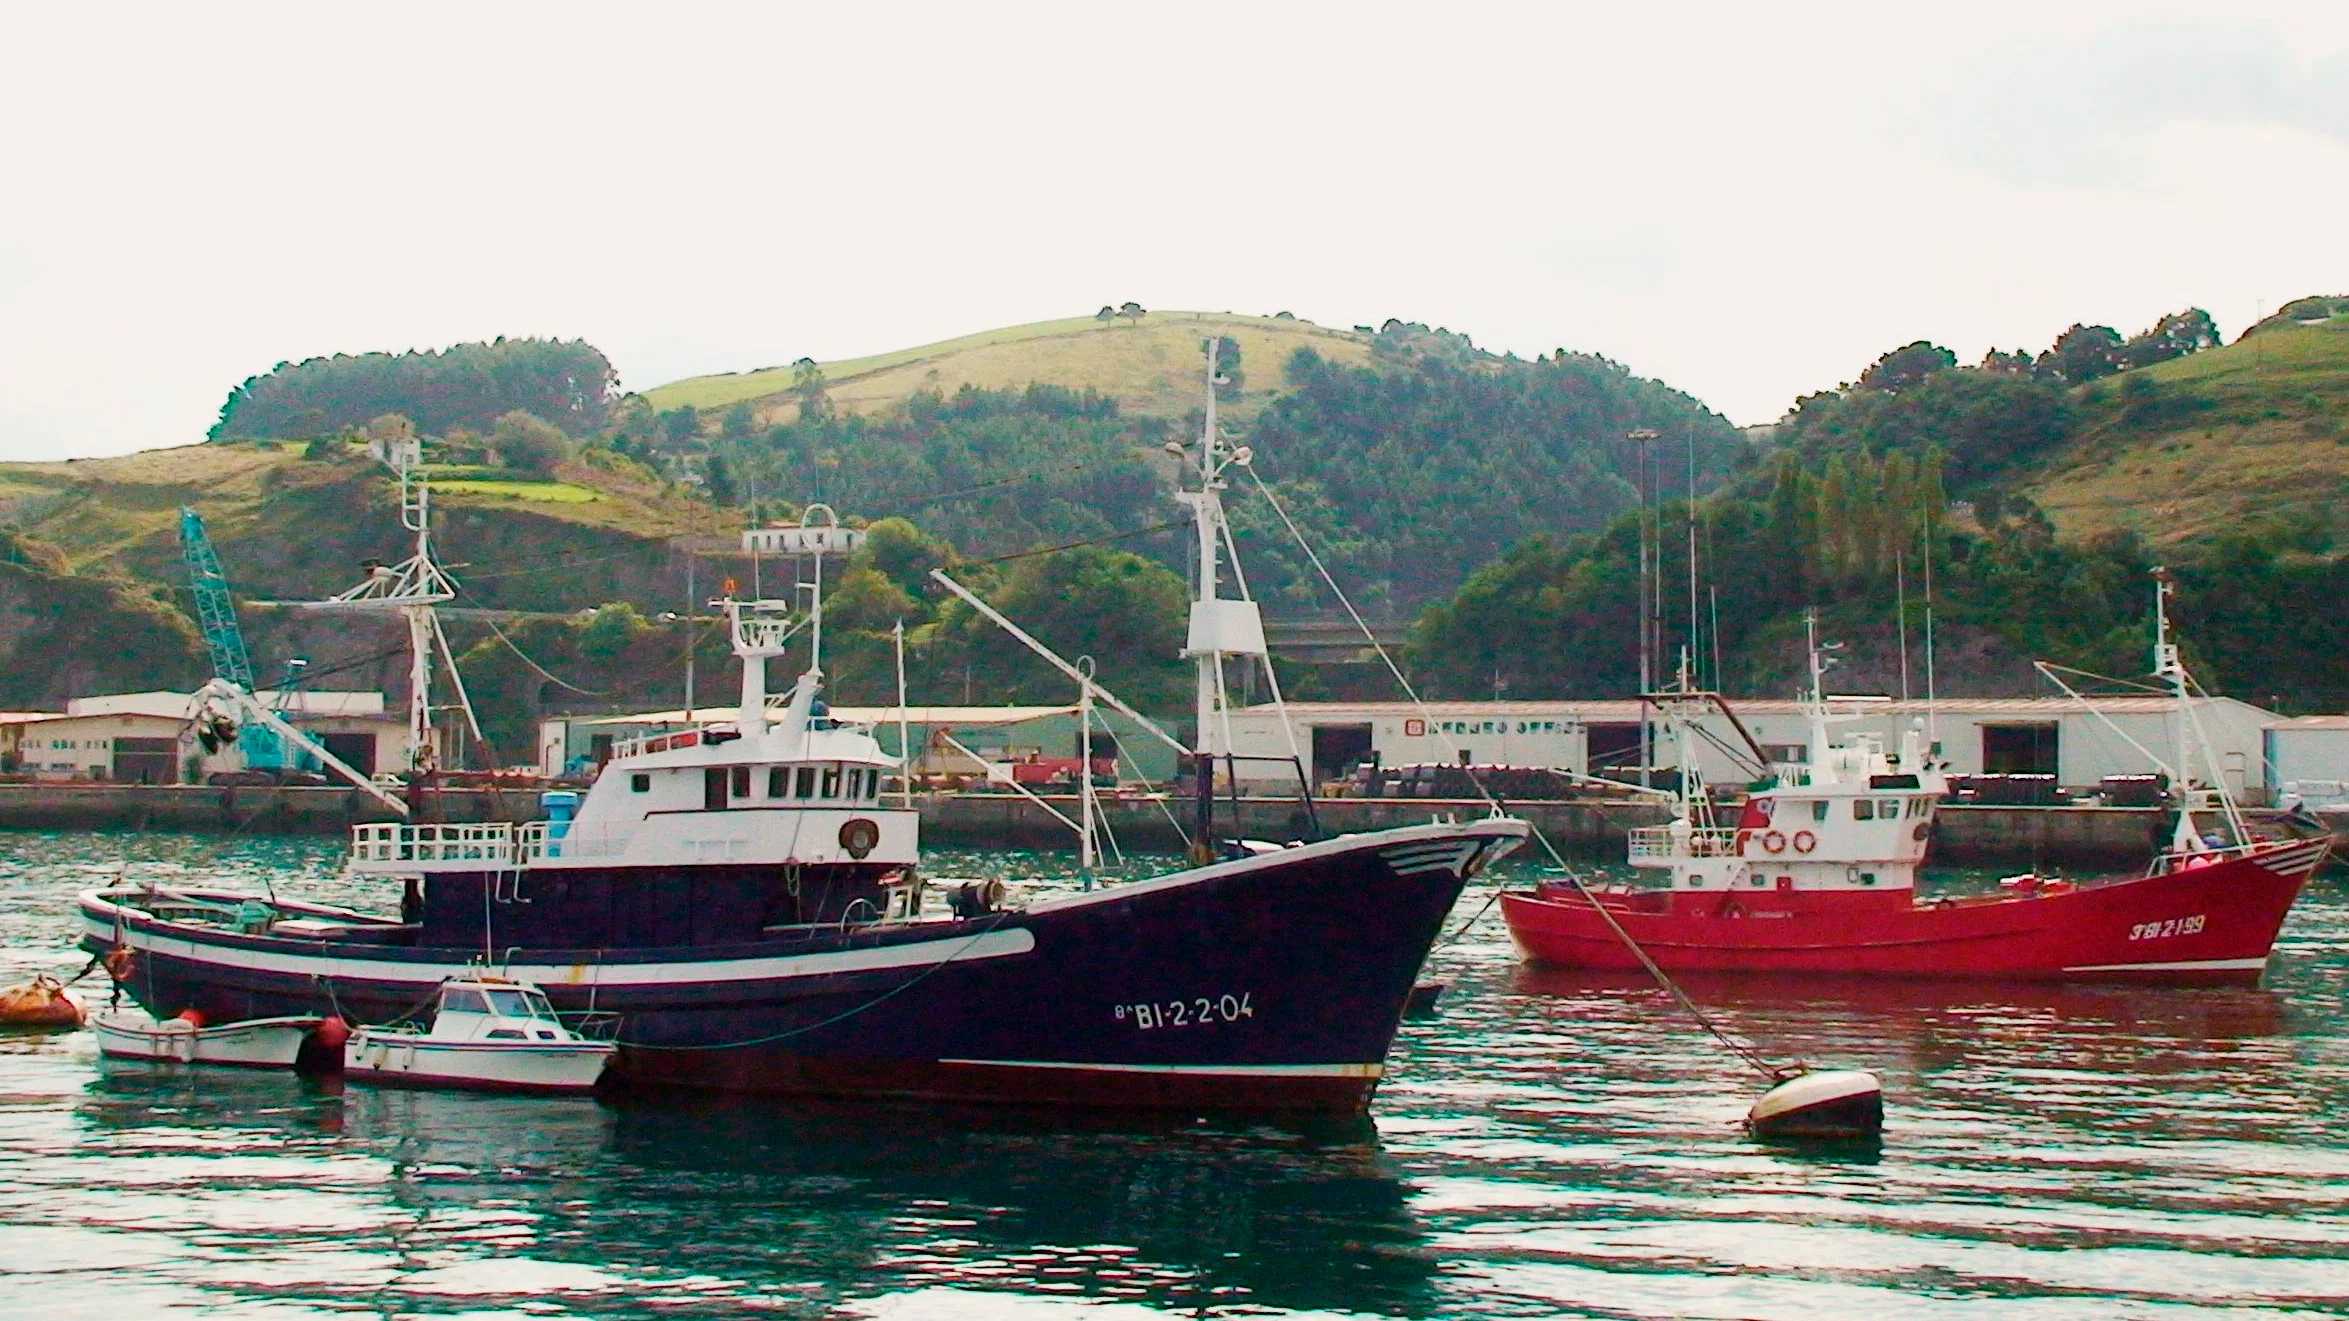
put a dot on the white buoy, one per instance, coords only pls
(1835, 1103)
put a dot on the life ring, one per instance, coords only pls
(1805, 841)
(1774, 842)
(859, 836)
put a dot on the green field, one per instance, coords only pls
(1150, 366)
(561, 493)
(2261, 436)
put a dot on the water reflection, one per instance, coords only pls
(465, 1195)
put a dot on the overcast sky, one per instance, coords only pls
(1749, 202)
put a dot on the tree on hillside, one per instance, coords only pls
(1125, 611)
(2082, 354)
(2174, 336)
(738, 422)
(1227, 366)
(1132, 311)
(567, 382)
(681, 425)
(1998, 362)
(807, 384)
(718, 483)
(527, 441)
(1906, 366)
(1106, 315)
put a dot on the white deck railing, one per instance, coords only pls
(651, 743)
(1665, 842)
(537, 841)
(397, 844)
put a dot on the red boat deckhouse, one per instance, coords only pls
(1816, 873)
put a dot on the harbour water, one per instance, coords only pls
(1548, 1145)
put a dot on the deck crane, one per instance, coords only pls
(228, 700)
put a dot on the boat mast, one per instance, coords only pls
(762, 629)
(2171, 670)
(414, 587)
(1219, 627)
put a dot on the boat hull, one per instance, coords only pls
(407, 1059)
(1272, 982)
(2208, 925)
(266, 1043)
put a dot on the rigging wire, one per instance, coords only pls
(1075, 545)
(1735, 1047)
(542, 670)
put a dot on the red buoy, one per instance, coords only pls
(331, 1033)
(191, 1017)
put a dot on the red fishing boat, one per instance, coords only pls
(1817, 873)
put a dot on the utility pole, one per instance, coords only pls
(1644, 437)
(1689, 428)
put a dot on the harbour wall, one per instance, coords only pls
(1964, 835)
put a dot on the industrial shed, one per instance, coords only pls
(2077, 743)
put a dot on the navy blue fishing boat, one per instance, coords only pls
(737, 902)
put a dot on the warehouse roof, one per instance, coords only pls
(2036, 707)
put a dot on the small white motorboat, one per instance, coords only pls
(488, 1034)
(254, 1043)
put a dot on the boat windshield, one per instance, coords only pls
(518, 1004)
(458, 1000)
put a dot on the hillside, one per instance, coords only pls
(2256, 433)
(1150, 366)
(296, 527)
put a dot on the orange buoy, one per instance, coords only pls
(41, 1002)
(191, 1017)
(331, 1033)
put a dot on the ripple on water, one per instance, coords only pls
(1551, 1144)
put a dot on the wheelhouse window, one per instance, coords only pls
(459, 1000)
(741, 778)
(832, 781)
(804, 783)
(1863, 809)
(1819, 810)
(778, 781)
(640, 783)
(519, 1004)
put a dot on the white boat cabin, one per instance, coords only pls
(790, 788)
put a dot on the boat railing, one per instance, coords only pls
(400, 843)
(537, 841)
(652, 743)
(1679, 842)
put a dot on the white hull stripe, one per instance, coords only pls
(2186, 965)
(1418, 858)
(951, 949)
(1207, 1070)
(1511, 831)
(2294, 862)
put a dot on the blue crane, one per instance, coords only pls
(264, 749)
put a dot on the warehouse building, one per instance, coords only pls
(2308, 759)
(2078, 743)
(149, 738)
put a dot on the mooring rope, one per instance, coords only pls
(1735, 1047)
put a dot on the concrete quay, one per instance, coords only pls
(2116, 837)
